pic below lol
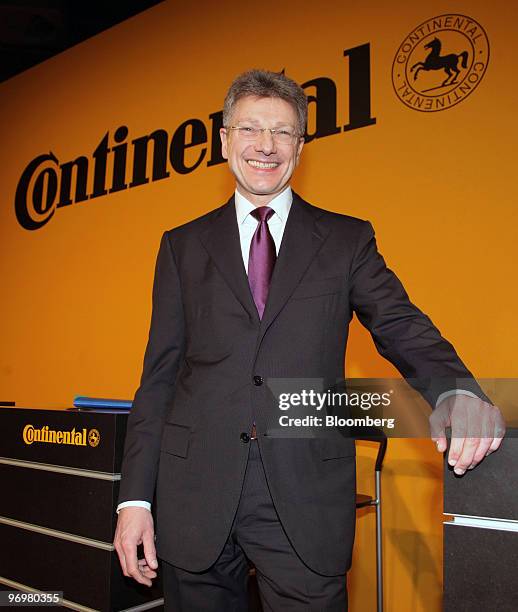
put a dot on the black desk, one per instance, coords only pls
(59, 479)
(481, 534)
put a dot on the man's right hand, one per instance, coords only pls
(134, 527)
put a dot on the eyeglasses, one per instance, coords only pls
(279, 135)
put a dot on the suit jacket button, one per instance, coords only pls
(258, 381)
(245, 438)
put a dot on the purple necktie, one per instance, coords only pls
(261, 259)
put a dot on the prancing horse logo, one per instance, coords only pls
(435, 61)
(427, 81)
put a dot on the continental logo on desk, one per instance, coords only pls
(81, 437)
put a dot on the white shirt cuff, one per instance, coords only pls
(136, 503)
(446, 394)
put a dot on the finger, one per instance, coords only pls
(437, 430)
(145, 569)
(122, 557)
(481, 452)
(456, 446)
(499, 432)
(130, 551)
(484, 422)
(148, 540)
(495, 445)
(459, 435)
(441, 443)
(139, 577)
(466, 457)
(439, 420)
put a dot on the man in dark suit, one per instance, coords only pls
(249, 297)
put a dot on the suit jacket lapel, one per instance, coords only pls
(222, 242)
(303, 236)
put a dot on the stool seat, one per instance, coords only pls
(364, 500)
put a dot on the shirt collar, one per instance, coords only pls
(280, 204)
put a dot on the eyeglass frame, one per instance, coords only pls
(256, 131)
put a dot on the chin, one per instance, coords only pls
(264, 189)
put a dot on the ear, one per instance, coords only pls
(224, 142)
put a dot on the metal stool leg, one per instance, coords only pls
(379, 557)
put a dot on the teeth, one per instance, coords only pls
(258, 164)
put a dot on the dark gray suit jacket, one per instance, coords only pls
(198, 393)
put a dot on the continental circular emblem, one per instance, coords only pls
(94, 437)
(440, 63)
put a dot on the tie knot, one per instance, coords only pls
(262, 213)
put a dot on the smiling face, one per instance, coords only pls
(262, 167)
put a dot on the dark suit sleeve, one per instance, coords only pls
(402, 333)
(153, 398)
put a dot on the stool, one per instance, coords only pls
(373, 434)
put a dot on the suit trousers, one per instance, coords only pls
(285, 582)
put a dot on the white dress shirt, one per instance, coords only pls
(247, 225)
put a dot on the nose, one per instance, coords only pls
(265, 143)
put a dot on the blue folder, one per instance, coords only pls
(81, 401)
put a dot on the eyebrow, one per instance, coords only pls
(278, 124)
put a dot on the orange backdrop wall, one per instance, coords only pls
(439, 188)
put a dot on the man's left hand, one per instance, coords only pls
(477, 429)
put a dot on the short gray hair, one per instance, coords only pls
(266, 84)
